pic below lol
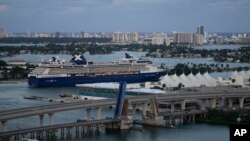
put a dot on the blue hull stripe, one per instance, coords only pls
(73, 80)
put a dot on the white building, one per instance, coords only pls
(2, 32)
(188, 38)
(126, 37)
(238, 81)
(17, 63)
(29, 34)
(244, 75)
(186, 81)
(87, 35)
(162, 40)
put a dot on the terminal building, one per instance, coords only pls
(237, 79)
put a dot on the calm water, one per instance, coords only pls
(115, 56)
(20, 44)
(219, 47)
(11, 96)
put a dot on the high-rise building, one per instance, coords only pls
(29, 34)
(2, 32)
(198, 39)
(184, 38)
(82, 34)
(107, 35)
(135, 36)
(162, 41)
(188, 38)
(126, 37)
(86, 35)
(200, 30)
(57, 34)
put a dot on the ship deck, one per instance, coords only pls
(102, 69)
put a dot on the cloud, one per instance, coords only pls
(113, 15)
(235, 4)
(3, 7)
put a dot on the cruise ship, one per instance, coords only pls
(78, 71)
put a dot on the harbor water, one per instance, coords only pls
(11, 96)
(118, 55)
(12, 93)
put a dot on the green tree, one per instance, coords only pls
(17, 72)
(2, 63)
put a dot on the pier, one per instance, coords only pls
(156, 110)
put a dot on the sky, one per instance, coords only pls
(124, 15)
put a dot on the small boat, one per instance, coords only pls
(29, 97)
(83, 97)
(65, 95)
(34, 97)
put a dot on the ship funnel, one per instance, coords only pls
(78, 60)
(53, 59)
(128, 56)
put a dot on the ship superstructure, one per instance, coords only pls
(79, 71)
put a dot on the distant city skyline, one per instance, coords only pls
(124, 15)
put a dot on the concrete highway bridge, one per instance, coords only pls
(50, 131)
(174, 103)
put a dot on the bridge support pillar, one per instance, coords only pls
(69, 133)
(41, 117)
(222, 102)
(62, 132)
(203, 105)
(4, 125)
(230, 102)
(144, 107)
(97, 130)
(98, 113)
(16, 137)
(213, 103)
(170, 121)
(51, 118)
(207, 102)
(182, 119)
(241, 102)
(172, 107)
(133, 110)
(183, 105)
(193, 119)
(77, 131)
(88, 113)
